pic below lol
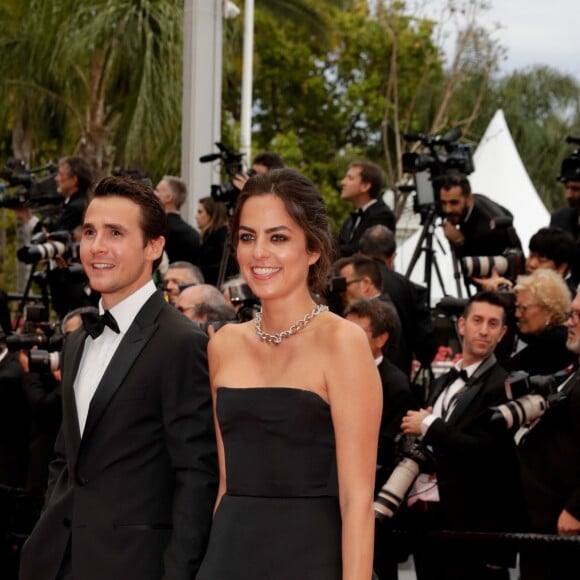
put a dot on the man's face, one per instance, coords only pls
(353, 188)
(573, 324)
(375, 342)
(66, 183)
(114, 255)
(572, 192)
(454, 204)
(354, 285)
(481, 330)
(175, 277)
(535, 261)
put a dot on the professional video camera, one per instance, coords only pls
(43, 340)
(444, 154)
(413, 456)
(232, 163)
(570, 170)
(510, 264)
(27, 189)
(530, 397)
(45, 246)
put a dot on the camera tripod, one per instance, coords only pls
(425, 245)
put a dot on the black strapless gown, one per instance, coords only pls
(280, 517)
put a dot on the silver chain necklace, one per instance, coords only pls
(298, 325)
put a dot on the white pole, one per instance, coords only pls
(247, 79)
(201, 109)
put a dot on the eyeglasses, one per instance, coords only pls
(523, 308)
(184, 308)
(354, 281)
(574, 316)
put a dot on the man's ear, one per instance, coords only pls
(381, 339)
(461, 325)
(154, 248)
(562, 268)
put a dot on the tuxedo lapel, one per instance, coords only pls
(472, 388)
(74, 350)
(138, 335)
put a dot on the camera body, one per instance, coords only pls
(27, 189)
(529, 397)
(232, 163)
(43, 340)
(413, 456)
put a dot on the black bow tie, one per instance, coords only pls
(455, 374)
(95, 323)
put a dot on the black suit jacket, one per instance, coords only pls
(480, 238)
(475, 461)
(14, 423)
(550, 463)
(183, 241)
(136, 492)
(377, 213)
(397, 400)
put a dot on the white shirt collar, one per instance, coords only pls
(127, 309)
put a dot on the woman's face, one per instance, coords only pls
(532, 317)
(202, 217)
(272, 251)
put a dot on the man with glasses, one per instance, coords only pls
(549, 457)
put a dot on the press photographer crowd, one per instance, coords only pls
(478, 461)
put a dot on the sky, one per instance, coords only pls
(535, 32)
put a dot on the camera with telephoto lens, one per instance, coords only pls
(443, 154)
(28, 190)
(413, 457)
(45, 246)
(530, 397)
(43, 340)
(510, 264)
(232, 163)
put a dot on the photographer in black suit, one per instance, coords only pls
(362, 186)
(474, 484)
(474, 224)
(549, 456)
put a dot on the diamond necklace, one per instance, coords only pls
(298, 325)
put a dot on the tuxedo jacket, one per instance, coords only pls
(480, 238)
(550, 463)
(377, 213)
(475, 459)
(133, 497)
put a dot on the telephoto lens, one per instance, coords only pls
(395, 489)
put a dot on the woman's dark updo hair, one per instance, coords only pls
(305, 206)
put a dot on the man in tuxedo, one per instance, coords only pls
(474, 224)
(472, 484)
(549, 457)
(183, 241)
(362, 186)
(378, 320)
(133, 483)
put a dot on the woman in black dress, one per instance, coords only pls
(297, 401)
(212, 222)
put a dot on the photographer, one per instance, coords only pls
(14, 419)
(549, 458)
(474, 224)
(474, 486)
(183, 240)
(263, 162)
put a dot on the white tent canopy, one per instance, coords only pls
(500, 175)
